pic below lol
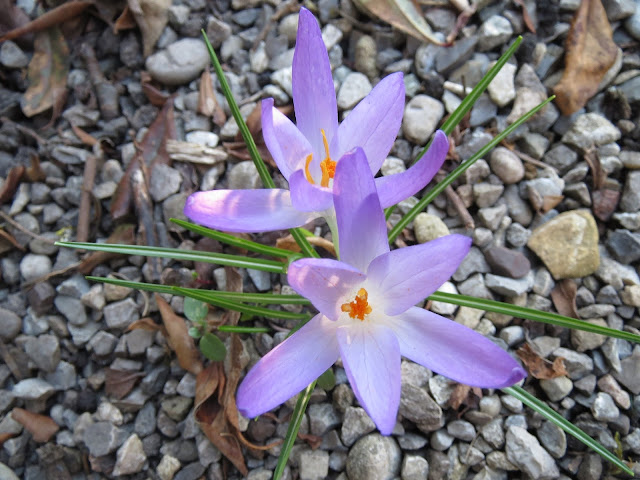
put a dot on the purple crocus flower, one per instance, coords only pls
(367, 314)
(307, 153)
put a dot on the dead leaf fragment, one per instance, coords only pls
(179, 339)
(118, 383)
(539, 367)
(405, 15)
(289, 243)
(47, 75)
(41, 427)
(151, 16)
(464, 395)
(207, 101)
(605, 202)
(590, 53)
(564, 298)
(11, 183)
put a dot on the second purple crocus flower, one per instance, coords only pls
(367, 314)
(307, 153)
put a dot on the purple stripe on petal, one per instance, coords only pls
(288, 147)
(361, 222)
(408, 275)
(289, 368)
(314, 96)
(374, 123)
(325, 282)
(396, 188)
(245, 210)
(453, 350)
(307, 197)
(371, 357)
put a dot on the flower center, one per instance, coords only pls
(327, 166)
(359, 307)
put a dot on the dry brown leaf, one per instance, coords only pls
(405, 15)
(539, 367)
(549, 202)
(11, 183)
(125, 21)
(207, 101)
(464, 395)
(84, 137)
(53, 17)
(156, 96)
(590, 53)
(599, 175)
(525, 16)
(151, 17)
(605, 202)
(47, 75)
(34, 172)
(179, 339)
(41, 427)
(564, 298)
(118, 383)
(147, 324)
(123, 234)
(6, 436)
(289, 243)
(8, 241)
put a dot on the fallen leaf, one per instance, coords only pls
(34, 172)
(147, 324)
(157, 97)
(539, 367)
(605, 202)
(405, 15)
(125, 21)
(151, 17)
(7, 241)
(599, 175)
(525, 16)
(10, 185)
(123, 234)
(179, 339)
(6, 436)
(47, 75)
(289, 243)
(464, 395)
(84, 137)
(590, 53)
(118, 383)
(41, 427)
(564, 298)
(207, 101)
(13, 17)
(53, 17)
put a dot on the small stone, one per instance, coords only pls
(629, 374)
(506, 165)
(604, 409)
(10, 324)
(374, 457)
(568, 244)
(441, 440)
(314, 464)
(72, 309)
(524, 451)
(530, 93)
(428, 227)
(509, 287)
(322, 418)
(491, 217)
(164, 182)
(414, 467)
(462, 430)
(486, 194)
(553, 439)
(102, 438)
(584, 341)
(168, 467)
(365, 56)
(353, 89)
(506, 262)
(418, 406)
(591, 129)
(421, 116)
(130, 458)
(44, 351)
(243, 176)
(557, 388)
(355, 424)
(11, 56)
(495, 31)
(444, 308)
(577, 364)
(180, 63)
(176, 407)
(624, 246)
(631, 295)
(502, 89)
(119, 315)
(630, 200)
(34, 266)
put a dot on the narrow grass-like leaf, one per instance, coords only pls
(176, 254)
(213, 299)
(235, 241)
(553, 416)
(237, 329)
(292, 431)
(531, 314)
(439, 188)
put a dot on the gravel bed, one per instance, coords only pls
(537, 220)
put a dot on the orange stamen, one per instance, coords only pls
(307, 173)
(327, 166)
(359, 307)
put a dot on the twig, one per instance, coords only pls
(15, 224)
(107, 94)
(458, 204)
(26, 131)
(84, 213)
(527, 158)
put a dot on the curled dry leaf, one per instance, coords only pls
(47, 75)
(118, 383)
(207, 102)
(147, 324)
(11, 183)
(591, 51)
(464, 395)
(179, 339)
(289, 243)
(41, 427)
(539, 367)
(564, 298)
(152, 16)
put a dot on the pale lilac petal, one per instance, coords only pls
(289, 368)
(325, 282)
(288, 147)
(396, 188)
(314, 96)
(371, 357)
(361, 222)
(374, 123)
(245, 210)
(408, 275)
(453, 350)
(307, 197)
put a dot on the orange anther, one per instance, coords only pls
(307, 173)
(359, 307)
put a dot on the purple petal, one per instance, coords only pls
(371, 357)
(288, 147)
(453, 350)
(314, 96)
(289, 368)
(361, 222)
(245, 210)
(307, 197)
(395, 188)
(408, 275)
(325, 282)
(374, 123)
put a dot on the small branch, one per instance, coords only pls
(107, 94)
(82, 233)
(16, 225)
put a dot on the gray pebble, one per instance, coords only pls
(524, 450)
(374, 457)
(34, 266)
(421, 116)
(180, 63)
(495, 31)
